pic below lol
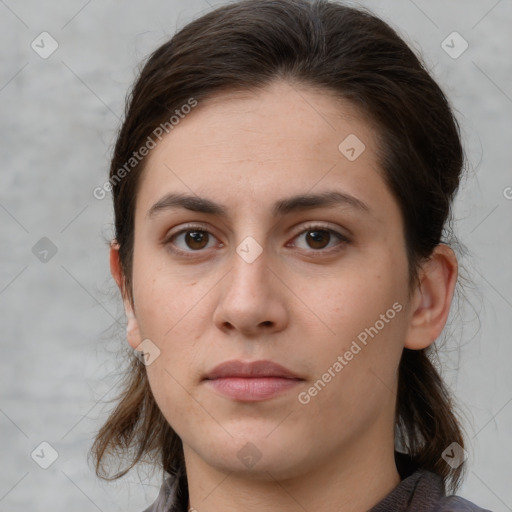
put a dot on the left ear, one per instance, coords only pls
(432, 298)
(132, 328)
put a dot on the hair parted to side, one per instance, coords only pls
(357, 56)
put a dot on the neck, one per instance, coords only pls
(353, 482)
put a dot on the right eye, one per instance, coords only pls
(192, 239)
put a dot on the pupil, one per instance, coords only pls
(196, 239)
(315, 238)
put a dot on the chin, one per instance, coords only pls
(261, 458)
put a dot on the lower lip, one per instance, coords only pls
(252, 389)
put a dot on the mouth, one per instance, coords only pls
(251, 381)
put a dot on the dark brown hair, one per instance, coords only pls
(358, 57)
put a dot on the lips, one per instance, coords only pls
(253, 369)
(253, 381)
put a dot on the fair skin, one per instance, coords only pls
(298, 303)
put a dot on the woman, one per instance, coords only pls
(282, 183)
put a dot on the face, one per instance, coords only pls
(250, 269)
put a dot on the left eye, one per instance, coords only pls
(320, 238)
(195, 239)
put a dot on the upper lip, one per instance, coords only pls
(236, 368)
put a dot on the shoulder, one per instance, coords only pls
(423, 491)
(458, 504)
(427, 488)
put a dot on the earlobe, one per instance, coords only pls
(132, 327)
(432, 298)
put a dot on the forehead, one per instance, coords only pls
(255, 146)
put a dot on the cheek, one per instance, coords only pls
(178, 400)
(363, 318)
(356, 297)
(164, 298)
(356, 376)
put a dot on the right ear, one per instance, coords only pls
(132, 327)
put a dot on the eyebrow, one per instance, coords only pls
(282, 207)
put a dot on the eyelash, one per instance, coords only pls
(311, 227)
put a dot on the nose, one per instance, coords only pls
(252, 299)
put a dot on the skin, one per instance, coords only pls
(298, 304)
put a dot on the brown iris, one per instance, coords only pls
(318, 238)
(196, 239)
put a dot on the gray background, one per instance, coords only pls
(62, 322)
